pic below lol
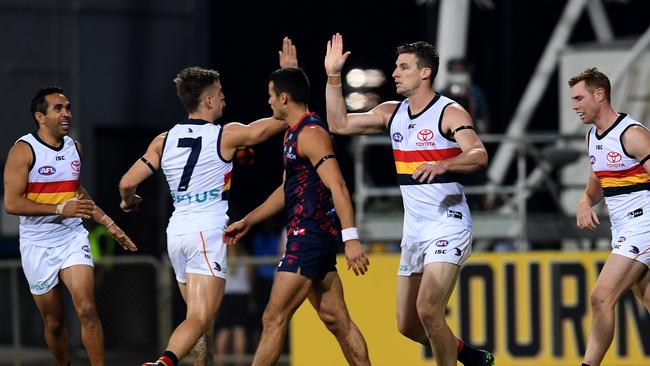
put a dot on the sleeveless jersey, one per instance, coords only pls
(309, 206)
(198, 177)
(625, 182)
(53, 178)
(430, 209)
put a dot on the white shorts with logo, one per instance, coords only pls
(200, 252)
(632, 240)
(452, 248)
(41, 265)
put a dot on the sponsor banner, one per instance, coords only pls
(528, 308)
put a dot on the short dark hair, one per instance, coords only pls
(39, 104)
(292, 81)
(190, 84)
(593, 79)
(425, 53)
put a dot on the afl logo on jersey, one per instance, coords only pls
(425, 134)
(592, 159)
(397, 137)
(76, 166)
(46, 170)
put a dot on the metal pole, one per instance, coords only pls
(535, 89)
(639, 47)
(453, 20)
(522, 208)
(163, 275)
(599, 21)
(15, 318)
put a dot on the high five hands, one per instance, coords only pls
(288, 56)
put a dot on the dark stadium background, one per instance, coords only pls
(116, 59)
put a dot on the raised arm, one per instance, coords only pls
(457, 123)
(237, 134)
(16, 180)
(339, 121)
(142, 169)
(315, 144)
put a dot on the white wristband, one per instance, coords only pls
(59, 208)
(350, 233)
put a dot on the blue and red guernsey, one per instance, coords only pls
(310, 210)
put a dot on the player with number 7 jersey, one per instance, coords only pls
(196, 158)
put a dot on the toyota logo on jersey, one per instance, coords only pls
(425, 134)
(614, 157)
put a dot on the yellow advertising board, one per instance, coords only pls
(528, 308)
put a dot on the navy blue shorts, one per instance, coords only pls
(313, 259)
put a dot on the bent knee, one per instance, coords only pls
(600, 300)
(54, 326)
(87, 311)
(431, 317)
(273, 318)
(334, 322)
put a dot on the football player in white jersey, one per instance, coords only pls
(41, 181)
(438, 239)
(198, 173)
(619, 150)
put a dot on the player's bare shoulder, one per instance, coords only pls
(20, 153)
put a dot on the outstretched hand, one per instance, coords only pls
(356, 257)
(288, 55)
(334, 56)
(235, 231)
(118, 234)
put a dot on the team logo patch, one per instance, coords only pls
(299, 231)
(425, 134)
(86, 248)
(217, 266)
(458, 252)
(442, 243)
(76, 166)
(634, 250)
(46, 170)
(592, 159)
(397, 137)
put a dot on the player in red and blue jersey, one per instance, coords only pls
(313, 192)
